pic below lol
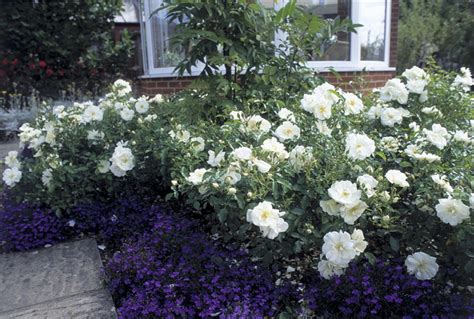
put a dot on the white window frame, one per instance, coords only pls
(353, 65)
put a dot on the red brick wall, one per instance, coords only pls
(348, 80)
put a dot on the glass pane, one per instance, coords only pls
(339, 47)
(164, 55)
(129, 13)
(268, 3)
(372, 34)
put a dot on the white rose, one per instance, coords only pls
(127, 114)
(46, 176)
(452, 211)
(286, 114)
(300, 156)
(461, 136)
(262, 166)
(257, 124)
(268, 219)
(416, 86)
(339, 248)
(359, 146)
(368, 183)
(122, 87)
(198, 144)
(391, 116)
(327, 269)
(103, 166)
(344, 192)
(351, 212)
(353, 104)
(323, 128)
(92, 113)
(11, 176)
(215, 160)
(330, 207)
(287, 131)
(415, 73)
(157, 99)
(271, 145)
(231, 177)
(122, 159)
(396, 177)
(242, 153)
(359, 241)
(142, 105)
(422, 265)
(94, 135)
(374, 112)
(197, 176)
(438, 136)
(11, 160)
(443, 182)
(394, 90)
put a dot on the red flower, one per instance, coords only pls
(49, 72)
(42, 64)
(14, 62)
(32, 66)
(5, 61)
(61, 72)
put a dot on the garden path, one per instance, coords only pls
(62, 281)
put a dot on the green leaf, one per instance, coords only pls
(394, 244)
(370, 257)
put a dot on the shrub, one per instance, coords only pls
(56, 46)
(71, 150)
(175, 270)
(392, 164)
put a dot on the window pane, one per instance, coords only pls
(268, 3)
(339, 48)
(372, 34)
(164, 55)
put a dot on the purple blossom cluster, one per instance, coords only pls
(382, 290)
(24, 226)
(175, 270)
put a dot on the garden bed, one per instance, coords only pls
(316, 203)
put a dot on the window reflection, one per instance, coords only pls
(338, 49)
(164, 54)
(372, 34)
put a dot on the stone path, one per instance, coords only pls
(63, 281)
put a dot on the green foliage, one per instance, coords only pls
(234, 42)
(53, 45)
(439, 28)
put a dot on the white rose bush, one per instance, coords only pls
(303, 177)
(88, 151)
(332, 177)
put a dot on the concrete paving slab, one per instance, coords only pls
(90, 305)
(31, 281)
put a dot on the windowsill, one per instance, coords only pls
(317, 69)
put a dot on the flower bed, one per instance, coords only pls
(318, 181)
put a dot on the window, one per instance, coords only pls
(369, 48)
(339, 48)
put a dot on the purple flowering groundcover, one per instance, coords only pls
(166, 266)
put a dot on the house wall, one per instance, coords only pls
(347, 80)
